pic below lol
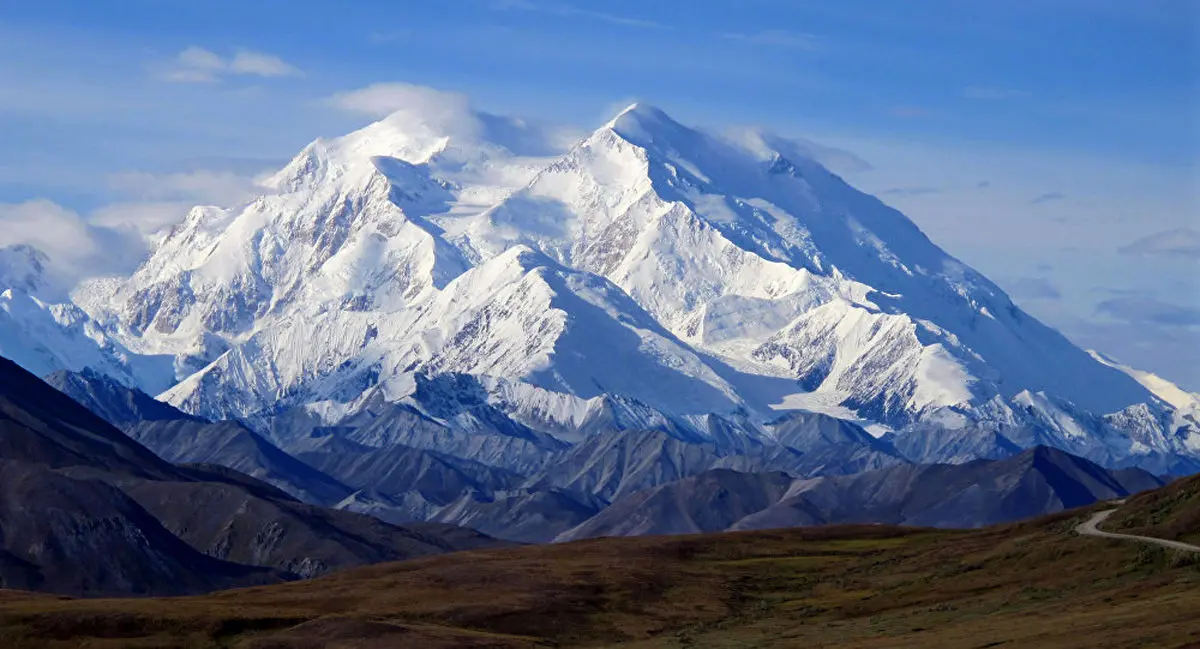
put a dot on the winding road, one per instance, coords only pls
(1088, 528)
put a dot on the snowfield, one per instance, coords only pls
(651, 275)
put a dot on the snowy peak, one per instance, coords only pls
(520, 316)
(695, 226)
(638, 110)
(642, 123)
(704, 277)
(1175, 396)
(409, 135)
(22, 267)
(460, 146)
(333, 160)
(45, 338)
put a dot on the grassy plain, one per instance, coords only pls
(1034, 584)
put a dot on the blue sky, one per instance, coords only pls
(1050, 143)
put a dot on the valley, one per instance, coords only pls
(1035, 583)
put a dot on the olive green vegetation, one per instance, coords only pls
(1172, 512)
(1034, 584)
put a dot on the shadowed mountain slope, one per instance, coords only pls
(84, 509)
(1036, 482)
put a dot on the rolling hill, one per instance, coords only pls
(1031, 584)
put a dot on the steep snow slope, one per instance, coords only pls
(342, 228)
(45, 338)
(756, 253)
(519, 315)
(1187, 403)
(652, 276)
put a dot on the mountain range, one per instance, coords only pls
(1038, 481)
(816, 470)
(428, 336)
(651, 276)
(86, 510)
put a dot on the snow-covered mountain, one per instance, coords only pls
(45, 338)
(1186, 403)
(23, 268)
(651, 272)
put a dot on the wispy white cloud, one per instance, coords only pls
(146, 219)
(149, 203)
(195, 65)
(566, 10)
(115, 237)
(766, 143)
(412, 108)
(204, 186)
(262, 65)
(198, 65)
(75, 247)
(422, 110)
(200, 59)
(45, 225)
(382, 99)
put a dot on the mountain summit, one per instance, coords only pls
(695, 275)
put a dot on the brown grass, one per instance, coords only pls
(1172, 512)
(1030, 585)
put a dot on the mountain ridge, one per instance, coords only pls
(1038, 481)
(696, 274)
(87, 510)
(401, 464)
